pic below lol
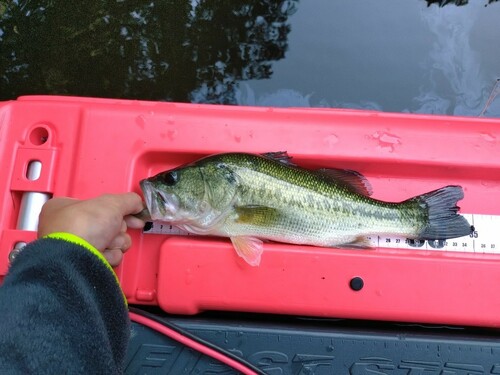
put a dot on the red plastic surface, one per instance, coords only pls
(92, 146)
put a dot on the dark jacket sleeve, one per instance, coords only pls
(61, 312)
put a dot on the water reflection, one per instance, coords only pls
(416, 58)
(163, 50)
(442, 3)
(432, 56)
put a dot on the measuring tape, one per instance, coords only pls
(483, 240)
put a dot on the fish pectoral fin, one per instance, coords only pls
(257, 215)
(360, 242)
(249, 248)
(281, 156)
(352, 180)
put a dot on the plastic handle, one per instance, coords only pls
(31, 202)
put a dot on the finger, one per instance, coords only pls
(121, 242)
(134, 222)
(113, 256)
(124, 227)
(126, 203)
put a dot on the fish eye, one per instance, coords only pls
(170, 178)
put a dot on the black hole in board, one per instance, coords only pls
(436, 244)
(415, 242)
(356, 283)
(39, 136)
(147, 226)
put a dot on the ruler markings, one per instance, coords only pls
(485, 239)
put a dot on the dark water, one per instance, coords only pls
(435, 56)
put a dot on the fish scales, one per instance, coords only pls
(292, 190)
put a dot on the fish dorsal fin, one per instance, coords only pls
(249, 248)
(353, 180)
(281, 156)
(257, 215)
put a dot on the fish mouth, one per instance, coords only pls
(161, 205)
(147, 190)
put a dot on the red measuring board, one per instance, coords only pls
(86, 147)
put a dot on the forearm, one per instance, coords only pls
(60, 309)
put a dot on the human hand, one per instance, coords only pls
(101, 221)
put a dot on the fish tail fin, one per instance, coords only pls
(443, 220)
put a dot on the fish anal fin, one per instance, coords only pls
(281, 156)
(249, 248)
(353, 180)
(256, 215)
(360, 242)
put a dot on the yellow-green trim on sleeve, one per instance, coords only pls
(69, 237)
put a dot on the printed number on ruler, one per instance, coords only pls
(482, 240)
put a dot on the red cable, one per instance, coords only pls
(190, 343)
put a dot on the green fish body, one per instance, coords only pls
(251, 198)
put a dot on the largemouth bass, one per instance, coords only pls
(250, 198)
